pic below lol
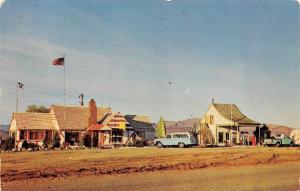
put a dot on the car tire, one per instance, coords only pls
(181, 145)
(159, 145)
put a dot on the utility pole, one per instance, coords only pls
(19, 86)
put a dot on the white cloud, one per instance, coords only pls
(1, 3)
(298, 1)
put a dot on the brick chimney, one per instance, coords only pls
(92, 113)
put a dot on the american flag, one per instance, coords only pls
(58, 61)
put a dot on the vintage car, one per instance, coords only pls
(175, 139)
(279, 140)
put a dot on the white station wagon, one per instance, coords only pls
(175, 139)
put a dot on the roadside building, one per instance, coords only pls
(31, 127)
(73, 121)
(295, 135)
(142, 126)
(222, 124)
(120, 128)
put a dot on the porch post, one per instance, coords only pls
(238, 134)
(27, 135)
(217, 141)
(92, 139)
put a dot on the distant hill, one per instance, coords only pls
(279, 129)
(181, 126)
(185, 125)
(4, 127)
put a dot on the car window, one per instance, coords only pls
(180, 136)
(168, 136)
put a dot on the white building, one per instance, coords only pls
(221, 124)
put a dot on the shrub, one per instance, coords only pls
(56, 140)
(47, 142)
(25, 145)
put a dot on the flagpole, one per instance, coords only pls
(64, 64)
(17, 102)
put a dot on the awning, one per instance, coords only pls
(105, 128)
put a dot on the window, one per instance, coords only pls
(117, 136)
(168, 137)
(180, 136)
(71, 137)
(221, 138)
(37, 135)
(22, 134)
(48, 135)
(209, 119)
(141, 134)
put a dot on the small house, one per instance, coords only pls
(142, 126)
(73, 121)
(221, 124)
(31, 127)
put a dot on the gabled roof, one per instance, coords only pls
(113, 120)
(139, 122)
(34, 121)
(232, 112)
(75, 117)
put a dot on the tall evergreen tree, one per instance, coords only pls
(161, 128)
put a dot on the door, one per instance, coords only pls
(107, 138)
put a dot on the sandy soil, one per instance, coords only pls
(263, 177)
(134, 168)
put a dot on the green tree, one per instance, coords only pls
(161, 128)
(37, 109)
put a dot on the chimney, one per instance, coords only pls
(92, 113)
(213, 101)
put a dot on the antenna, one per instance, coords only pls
(81, 99)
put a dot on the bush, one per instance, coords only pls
(56, 140)
(25, 145)
(11, 143)
(47, 143)
(7, 144)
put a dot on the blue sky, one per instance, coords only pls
(124, 54)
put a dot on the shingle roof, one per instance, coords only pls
(231, 111)
(75, 117)
(36, 121)
(139, 122)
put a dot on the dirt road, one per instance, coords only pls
(264, 177)
(153, 169)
